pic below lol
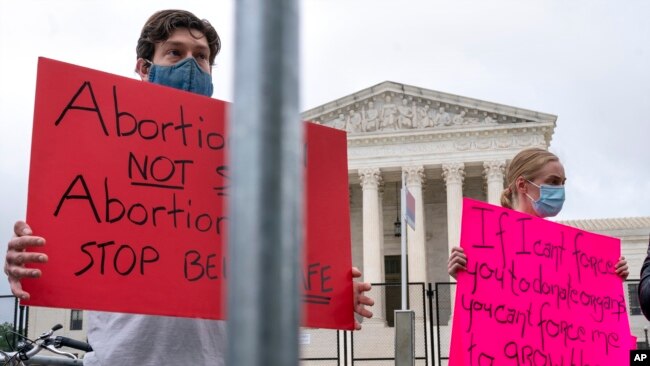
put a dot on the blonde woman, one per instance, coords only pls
(534, 185)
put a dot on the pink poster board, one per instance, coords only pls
(536, 293)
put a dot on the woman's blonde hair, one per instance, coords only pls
(527, 163)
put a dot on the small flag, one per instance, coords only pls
(410, 210)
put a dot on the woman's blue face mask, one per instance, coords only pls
(551, 200)
(184, 75)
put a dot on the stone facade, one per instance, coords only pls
(444, 146)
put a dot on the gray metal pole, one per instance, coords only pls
(266, 201)
(404, 338)
(403, 242)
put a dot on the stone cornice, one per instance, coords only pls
(512, 114)
(624, 223)
(450, 133)
(437, 147)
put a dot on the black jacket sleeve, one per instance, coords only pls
(644, 286)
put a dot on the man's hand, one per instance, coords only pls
(361, 300)
(17, 257)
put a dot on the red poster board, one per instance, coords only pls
(128, 185)
(536, 292)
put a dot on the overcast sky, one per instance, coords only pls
(585, 61)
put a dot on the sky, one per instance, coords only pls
(585, 61)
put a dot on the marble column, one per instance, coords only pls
(454, 174)
(417, 267)
(370, 180)
(373, 254)
(382, 271)
(493, 173)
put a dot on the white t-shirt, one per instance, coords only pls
(129, 339)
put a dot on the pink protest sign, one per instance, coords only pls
(536, 293)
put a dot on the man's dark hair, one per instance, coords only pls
(163, 23)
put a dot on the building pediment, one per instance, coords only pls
(393, 108)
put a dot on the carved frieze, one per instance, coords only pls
(393, 112)
(393, 146)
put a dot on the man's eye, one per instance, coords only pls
(173, 53)
(202, 56)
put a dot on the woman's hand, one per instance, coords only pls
(457, 261)
(621, 268)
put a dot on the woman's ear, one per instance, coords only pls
(142, 68)
(521, 186)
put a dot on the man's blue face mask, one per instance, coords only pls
(184, 75)
(551, 200)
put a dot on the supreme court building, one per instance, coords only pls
(446, 147)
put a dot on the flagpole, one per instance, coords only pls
(404, 230)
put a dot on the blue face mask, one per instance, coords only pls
(551, 199)
(185, 75)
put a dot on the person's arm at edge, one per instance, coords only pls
(644, 286)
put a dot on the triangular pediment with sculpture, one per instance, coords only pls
(387, 109)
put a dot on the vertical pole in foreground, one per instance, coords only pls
(266, 200)
(404, 318)
(403, 243)
(404, 338)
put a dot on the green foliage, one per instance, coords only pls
(6, 334)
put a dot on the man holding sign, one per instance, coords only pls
(175, 49)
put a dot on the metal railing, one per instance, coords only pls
(374, 344)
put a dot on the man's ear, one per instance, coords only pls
(142, 68)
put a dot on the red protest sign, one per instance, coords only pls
(328, 231)
(129, 185)
(536, 292)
